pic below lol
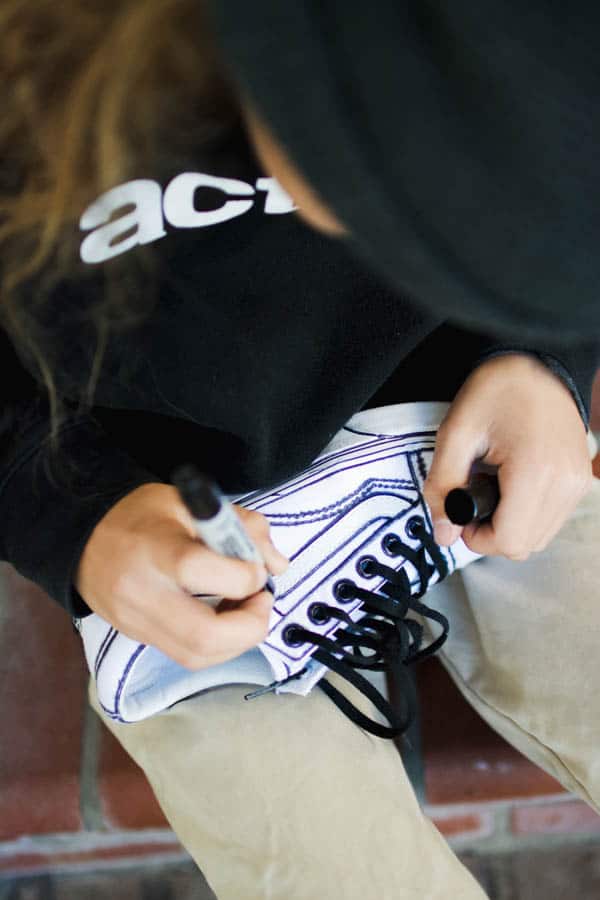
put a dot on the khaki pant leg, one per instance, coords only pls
(524, 648)
(282, 798)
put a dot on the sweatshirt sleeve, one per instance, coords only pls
(50, 504)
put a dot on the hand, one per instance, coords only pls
(143, 561)
(516, 415)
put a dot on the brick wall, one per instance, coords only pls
(69, 796)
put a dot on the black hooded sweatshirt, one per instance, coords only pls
(262, 338)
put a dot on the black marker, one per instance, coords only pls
(477, 502)
(214, 517)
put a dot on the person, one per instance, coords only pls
(229, 228)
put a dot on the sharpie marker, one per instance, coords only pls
(476, 502)
(214, 517)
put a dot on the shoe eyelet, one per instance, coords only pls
(415, 526)
(291, 636)
(391, 544)
(343, 590)
(317, 613)
(366, 566)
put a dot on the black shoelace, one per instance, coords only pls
(385, 639)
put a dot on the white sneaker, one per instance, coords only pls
(357, 532)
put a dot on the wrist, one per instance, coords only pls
(527, 362)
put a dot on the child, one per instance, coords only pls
(429, 273)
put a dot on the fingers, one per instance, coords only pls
(190, 565)
(535, 502)
(457, 446)
(192, 633)
(578, 483)
(193, 566)
(199, 635)
(536, 496)
(143, 562)
(259, 530)
(256, 526)
(207, 636)
(517, 416)
(513, 529)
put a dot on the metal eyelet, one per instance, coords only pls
(391, 544)
(343, 590)
(415, 526)
(317, 613)
(290, 636)
(366, 566)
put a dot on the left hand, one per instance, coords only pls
(515, 414)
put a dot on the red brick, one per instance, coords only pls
(42, 689)
(29, 862)
(465, 760)
(595, 410)
(463, 825)
(555, 818)
(126, 796)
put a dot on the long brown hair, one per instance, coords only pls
(88, 91)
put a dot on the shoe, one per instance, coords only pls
(358, 535)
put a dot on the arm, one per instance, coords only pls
(525, 412)
(98, 533)
(49, 507)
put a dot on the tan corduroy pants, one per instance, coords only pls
(284, 799)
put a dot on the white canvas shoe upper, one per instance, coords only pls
(362, 493)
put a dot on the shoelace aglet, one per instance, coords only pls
(268, 688)
(263, 690)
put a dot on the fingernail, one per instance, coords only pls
(444, 532)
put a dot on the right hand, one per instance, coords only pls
(142, 563)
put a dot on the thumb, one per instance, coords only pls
(455, 452)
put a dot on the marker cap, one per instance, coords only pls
(199, 493)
